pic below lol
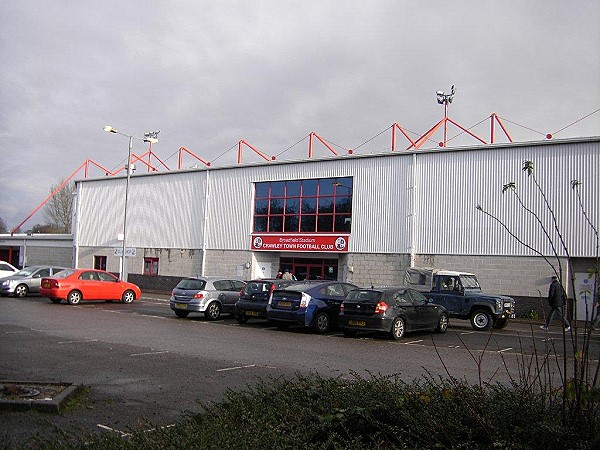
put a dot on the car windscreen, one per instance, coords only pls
(191, 284)
(26, 272)
(256, 287)
(366, 296)
(469, 282)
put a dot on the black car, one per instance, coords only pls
(252, 303)
(393, 310)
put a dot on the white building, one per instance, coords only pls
(359, 218)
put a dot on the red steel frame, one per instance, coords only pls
(85, 165)
(258, 152)
(192, 154)
(444, 122)
(321, 140)
(395, 126)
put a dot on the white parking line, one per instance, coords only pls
(467, 332)
(414, 343)
(454, 346)
(148, 353)
(104, 427)
(505, 350)
(77, 342)
(236, 368)
(123, 434)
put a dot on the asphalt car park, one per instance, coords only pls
(141, 362)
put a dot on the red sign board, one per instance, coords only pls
(300, 243)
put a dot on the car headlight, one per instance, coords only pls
(6, 283)
(498, 304)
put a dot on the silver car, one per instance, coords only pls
(209, 295)
(26, 281)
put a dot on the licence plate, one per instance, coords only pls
(251, 313)
(181, 305)
(357, 323)
(46, 285)
(284, 304)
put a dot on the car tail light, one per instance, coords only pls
(304, 300)
(270, 295)
(381, 307)
(342, 307)
(199, 294)
(50, 283)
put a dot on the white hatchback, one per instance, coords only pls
(7, 269)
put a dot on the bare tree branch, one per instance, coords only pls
(58, 210)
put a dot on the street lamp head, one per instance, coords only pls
(151, 140)
(109, 129)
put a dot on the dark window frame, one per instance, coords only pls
(153, 263)
(307, 214)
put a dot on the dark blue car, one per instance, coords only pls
(312, 304)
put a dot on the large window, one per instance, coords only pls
(303, 206)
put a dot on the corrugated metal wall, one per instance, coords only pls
(452, 184)
(166, 210)
(163, 211)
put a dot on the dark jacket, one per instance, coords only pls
(556, 295)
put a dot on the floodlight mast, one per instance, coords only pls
(445, 99)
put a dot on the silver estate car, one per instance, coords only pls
(209, 295)
(26, 281)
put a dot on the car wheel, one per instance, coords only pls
(501, 323)
(128, 296)
(241, 319)
(481, 320)
(21, 290)
(55, 300)
(181, 314)
(397, 331)
(74, 297)
(442, 325)
(213, 311)
(321, 323)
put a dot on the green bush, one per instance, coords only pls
(383, 412)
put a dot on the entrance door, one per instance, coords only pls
(316, 269)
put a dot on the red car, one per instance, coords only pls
(75, 285)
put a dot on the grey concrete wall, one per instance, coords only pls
(374, 269)
(229, 262)
(171, 262)
(49, 256)
(507, 275)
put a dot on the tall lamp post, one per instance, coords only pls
(151, 137)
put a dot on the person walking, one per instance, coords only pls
(556, 300)
(287, 275)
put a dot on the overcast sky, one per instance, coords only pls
(208, 74)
